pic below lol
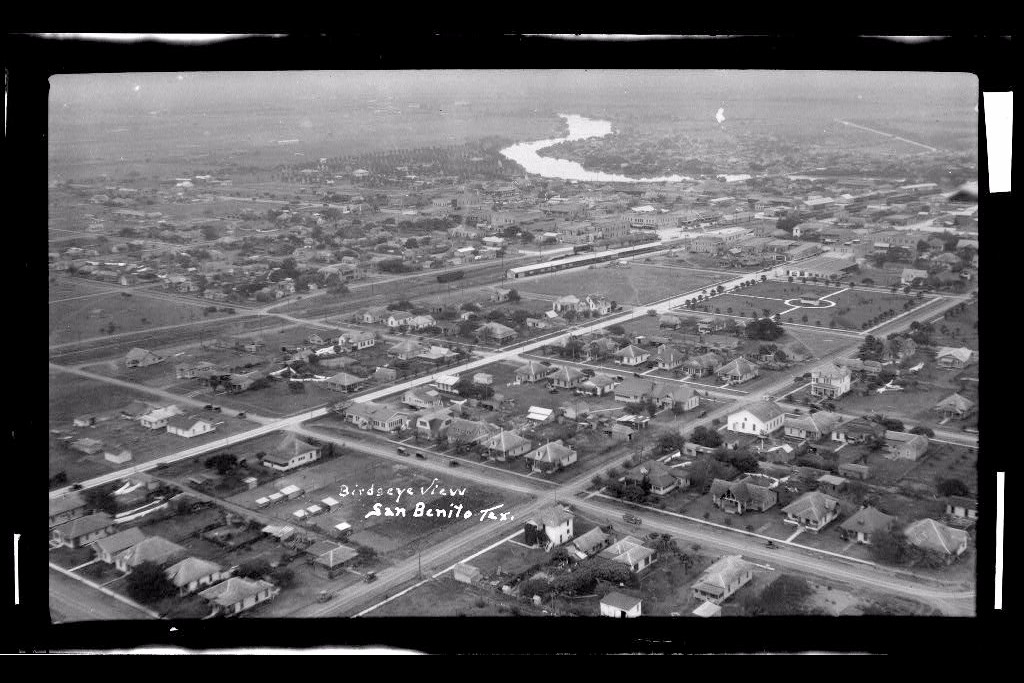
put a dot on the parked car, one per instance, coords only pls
(703, 413)
(208, 406)
(241, 416)
(771, 544)
(402, 451)
(216, 409)
(324, 596)
(421, 456)
(370, 577)
(632, 519)
(453, 463)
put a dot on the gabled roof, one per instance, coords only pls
(532, 368)
(122, 540)
(738, 366)
(235, 589)
(678, 393)
(743, 490)
(85, 525)
(335, 556)
(505, 441)
(71, 501)
(628, 550)
(600, 380)
(867, 521)
(962, 354)
(670, 354)
(631, 351)
(553, 516)
(813, 505)
(345, 379)
(591, 541)
(566, 374)
(551, 452)
(291, 445)
(152, 549)
(658, 473)
(831, 370)
(406, 346)
(634, 386)
(762, 410)
(191, 569)
(956, 402)
(932, 535)
(819, 423)
(184, 422)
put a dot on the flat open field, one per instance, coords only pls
(629, 285)
(91, 316)
(446, 597)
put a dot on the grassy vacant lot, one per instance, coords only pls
(90, 317)
(958, 329)
(509, 558)
(946, 461)
(628, 285)
(446, 597)
(915, 402)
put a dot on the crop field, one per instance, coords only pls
(626, 285)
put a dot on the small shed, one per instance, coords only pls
(708, 609)
(620, 605)
(299, 514)
(330, 503)
(291, 492)
(466, 573)
(262, 502)
(275, 497)
(314, 510)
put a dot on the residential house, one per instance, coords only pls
(811, 427)
(598, 305)
(566, 377)
(552, 456)
(862, 525)
(671, 395)
(66, 508)
(289, 453)
(329, 558)
(382, 418)
(620, 605)
(749, 493)
(831, 484)
(702, 365)
(635, 390)
(760, 418)
(531, 372)
(500, 295)
(236, 595)
(905, 446)
(317, 338)
(83, 530)
(566, 303)
(812, 511)
(157, 419)
(598, 385)
(189, 427)
(192, 573)
(953, 359)
(470, 432)
(155, 549)
(134, 410)
(955, 406)
(830, 381)
(662, 478)
(193, 370)
(357, 341)
(496, 332)
(345, 382)
(421, 398)
(434, 424)
(632, 355)
(552, 526)
(631, 552)
(140, 358)
(375, 315)
(669, 358)
(962, 508)
(737, 371)
(467, 573)
(117, 454)
(908, 275)
(590, 543)
(505, 445)
(421, 322)
(857, 431)
(722, 579)
(238, 382)
(936, 537)
(855, 471)
(111, 546)
(398, 319)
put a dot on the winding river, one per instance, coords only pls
(580, 128)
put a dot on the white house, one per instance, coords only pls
(830, 381)
(157, 419)
(188, 427)
(620, 605)
(554, 525)
(759, 418)
(291, 452)
(632, 355)
(722, 579)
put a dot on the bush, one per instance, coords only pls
(147, 583)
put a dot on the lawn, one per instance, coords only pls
(91, 316)
(630, 285)
(958, 329)
(446, 597)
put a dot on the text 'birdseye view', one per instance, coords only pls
(512, 343)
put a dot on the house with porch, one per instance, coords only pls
(552, 456)
(830, 381)
(722, 579)
(422, 398)
(506, 445)
(496, 332)
(669, 358)
(108, 547)
(189, 427)
(955, 407)
(531, 372)
(434, 424)
(237, 595)
(635, 390)
(566, 377)
(345, 383)
(396, 319)
(962, 508)
(289, 453)
(862, 525)
(811, 427)
(671, 395)
(737, 371)
(376, 416)
(193, 573)
(155, 549)
(82, 531)
(598, 385)
(857, 431)
(701, 365)
(662, 478)
(632, 355)
(631, 552)
(812, 511)
(737, 497)
(620, 605)
(407, 349)
(590, 543)
(157, 419)
(66, 508)
(949, 358)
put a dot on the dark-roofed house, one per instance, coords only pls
(857, 430)
(345, 382)
(961, 507)
(955, 406)
(739, 496)
(83, 530)
(864, 524)
(722, 579)
(406, 349)
(620, 605)
(237, 595)
(289, 453)
(737, 371)
(505, 445)
(634, 390)
(591, 543)
(66, 508)
(192, 573)
(531, 372)
(759, 418)
(155, 549)
(671, 395)
(496, 332)
(953, 358)
(936, 537)
(905, 446)
(812, 511)
(701, 365)
(631, 552)
(662, 478)
(109, 547)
